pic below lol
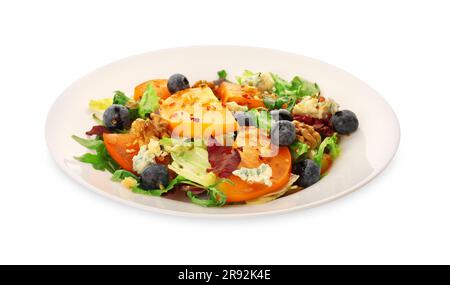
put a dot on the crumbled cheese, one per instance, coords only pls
(129, 182)
(265, 82)
(311, 106)
(147, 155)
(235, 107)
(261, 174)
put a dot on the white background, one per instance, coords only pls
(401, 48)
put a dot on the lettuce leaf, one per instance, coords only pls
(101, 104)
(248, 78)
(193, 164)
(304, 87)
(264, 120)
(120, 98)
(149, 102)
(298, 149)
(289, 92)
(329, 143)
(121, 174)
(261, 118)
(222, 74)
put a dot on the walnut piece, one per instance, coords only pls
(153, 128)
(307, 134)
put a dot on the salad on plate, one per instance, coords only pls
(217, 142)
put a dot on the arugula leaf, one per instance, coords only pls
(158, 192)
(100, 160)
(120, 98)
(89, 143)
(298, 149)
(331, 144)
(149, 102)
(97, 120)
(289, 92)
(101, 104)
(121, 174)
(222, 74)
(216, 198)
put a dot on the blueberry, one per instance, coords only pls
(308, 170)
(117, 117)
(154, 176)
(177, 82)
(344, 122)
(282, 133)
(244, 119)
(281, 114)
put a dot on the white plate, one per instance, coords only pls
(364, 154)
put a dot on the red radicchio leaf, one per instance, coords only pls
(97, 130)
(223, 159)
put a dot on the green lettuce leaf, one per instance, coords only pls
(121, 174)
(248, 77)
(149, 102)
(290, 92)
(222, 74)
(298, 149)
(329, 143)
(262, 118)
(101, 104)
(120, 98)
(304, 88)
(193, 164)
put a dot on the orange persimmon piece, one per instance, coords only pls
(327, 161)
(122, 148)
(241, 94)
(196, 112)
(160, 86)
(243, 191)
(251, 143)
